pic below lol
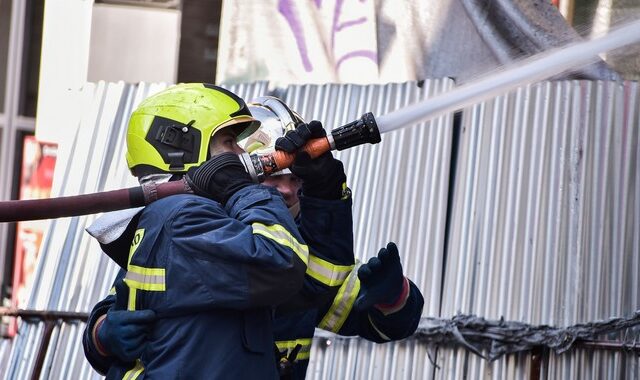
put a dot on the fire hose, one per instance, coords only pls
(361, 131)
(366, 129)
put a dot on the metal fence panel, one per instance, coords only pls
(543, 225)
(399, 194)
(546, 215)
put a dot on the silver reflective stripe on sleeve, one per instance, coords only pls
(342, 303)
(281, 236)
(326, 272)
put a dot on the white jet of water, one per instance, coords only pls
(537, 68)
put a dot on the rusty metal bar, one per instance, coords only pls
(42, 350)
(611, 345)
(45, 315)
(537, 355)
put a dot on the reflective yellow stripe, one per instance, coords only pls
(145, 278)
(141, 278)
(346, 192)
(280, 235)
(134, 372)
(131, 305)
(289, 345)
(343, 303)
(327, 273)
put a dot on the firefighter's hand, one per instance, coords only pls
(323, 177)
(382, 283)
(123, 333)
(219, 177)
(295, 139)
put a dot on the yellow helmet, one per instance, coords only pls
(276, 119)
(170, 131)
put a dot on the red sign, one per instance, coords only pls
(36, 177)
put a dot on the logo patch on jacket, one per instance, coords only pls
(137, 239)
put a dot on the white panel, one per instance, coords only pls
(134, 44)
(63, 67)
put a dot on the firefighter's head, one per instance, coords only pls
(180, 127)
(276, 118)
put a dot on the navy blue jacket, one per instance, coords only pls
(328, 230)
(212, 275)
(330, 288)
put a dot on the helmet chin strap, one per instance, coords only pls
(295, 210)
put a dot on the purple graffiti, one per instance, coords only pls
(339, 26)
(349, 23)
(358, 53)
(287, 9)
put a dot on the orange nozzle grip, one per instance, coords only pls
(314, 147)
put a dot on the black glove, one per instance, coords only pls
(219, 177)
(381, 279)
(323, 177)
(295, 139)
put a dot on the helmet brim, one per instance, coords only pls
(243, 126)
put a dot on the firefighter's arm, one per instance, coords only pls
(378, 303)
(249, 255)
(325, 219)
(98, 360)
(112, 334)
(326, 226)
(399, 321)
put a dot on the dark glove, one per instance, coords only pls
(123, 333)
(295, 139)
(381, 280)
(323, 177)
(219, 177)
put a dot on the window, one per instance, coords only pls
(20, 45)
(31, 58)
(5, 24)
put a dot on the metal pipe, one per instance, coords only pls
(42, 349)
(45, 315)
(610, 345)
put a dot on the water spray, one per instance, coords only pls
(537, 68)
(366, 129)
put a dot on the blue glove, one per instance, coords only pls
(123, 333)
(381, 280)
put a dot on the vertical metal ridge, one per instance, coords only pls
(544, 206)
(544, 221)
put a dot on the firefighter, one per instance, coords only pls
(385, 307)
(203, 270)
(374, 300)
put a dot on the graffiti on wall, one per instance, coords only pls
(351, 23)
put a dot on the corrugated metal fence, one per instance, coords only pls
(546, 219)
(529, 209)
